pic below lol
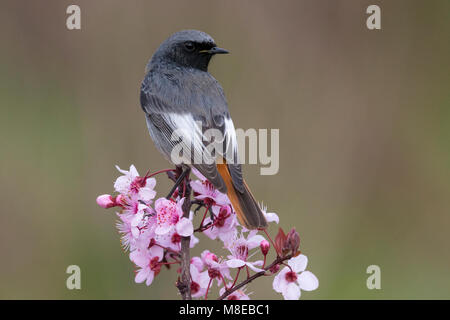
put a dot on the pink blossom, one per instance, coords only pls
(169, 216)
(123, 183)
(216, 269)
(199, 283)
(239, 247)
(205, 191)
(224, 224)
(208, 257)
(137, 215)
(134, 236)
(150, 231)
(139, 221)
(171, 240)
(291, 280)
(148, 262)
(131, 183)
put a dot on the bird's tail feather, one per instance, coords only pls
(244, 204)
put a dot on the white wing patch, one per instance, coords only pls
(186, 134)
(231, 153)
(191, 143)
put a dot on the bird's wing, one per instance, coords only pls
(191, 111)
(224, 123)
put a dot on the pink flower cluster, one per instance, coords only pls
(151, 231)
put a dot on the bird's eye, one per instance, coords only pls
(189, 46)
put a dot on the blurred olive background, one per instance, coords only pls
(364, 137)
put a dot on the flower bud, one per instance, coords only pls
(106, 201)
(265, 246)
(292, 241)
(275, 268)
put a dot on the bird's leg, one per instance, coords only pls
(178, 182)
(199, 206)
(199, 202)
(211, 214)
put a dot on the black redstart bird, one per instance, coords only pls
(179, 95)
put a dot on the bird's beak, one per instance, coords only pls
(215, 50)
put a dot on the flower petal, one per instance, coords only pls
(147, 194)
(150, 277)
(156, 251)
(135, 232)
(204, 279)
(252, 266)
(184, 227)
(197, 262)
(279, 282)
(141, 275)
(150, 183)
(137, 219)
(272, 217)
(120, 170)
(308, 281)
(139, 259)
(258, 263)
(197, 186)
(210, 232)
(180, 203)
(298, 263)
(133, 171)
(194, 241)
(122, 184)
(163, 229)
(276, 284)
(254, 241)
(235, 263)
(291, 292)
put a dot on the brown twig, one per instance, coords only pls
(253, 277)
(184, 281)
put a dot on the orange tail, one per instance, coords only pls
(244, 204)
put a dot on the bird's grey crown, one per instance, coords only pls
(170, 50)
(190, 35)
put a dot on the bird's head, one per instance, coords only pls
(188, 48)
